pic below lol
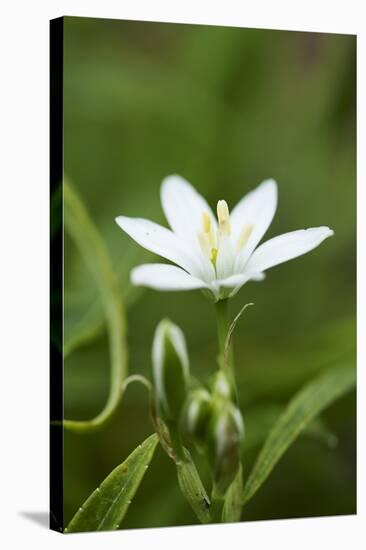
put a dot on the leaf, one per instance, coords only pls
(260, 420)
(193, 489)
(91, 247)
(304, 407)
(107, 505)
(233, 500)
(84, 317)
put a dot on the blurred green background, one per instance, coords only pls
(225, 108)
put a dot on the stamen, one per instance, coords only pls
(208, 229)
(223, 217)
(206, 222)
(204, 243)
(244, 236)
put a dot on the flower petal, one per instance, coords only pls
(234, 280)
(239, 279)
(286, 247)
(255, 211)
(258, 276)
(225, 257)
(164, 277)
(183, 207)
(160, 240)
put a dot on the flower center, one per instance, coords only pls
(209, 241)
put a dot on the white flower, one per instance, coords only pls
(217, 255)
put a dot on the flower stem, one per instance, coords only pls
(223, 325)
(217, 505)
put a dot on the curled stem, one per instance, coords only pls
(137, 378)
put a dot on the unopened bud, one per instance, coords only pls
(221, 386)
(170, 370)
(196, 416)
(226, 433)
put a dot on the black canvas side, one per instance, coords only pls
(56, 275)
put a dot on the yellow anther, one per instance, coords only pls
(206, 222)
(214, 252)
(204, 243)
(208, 229)
(244, 236)
(223, 217)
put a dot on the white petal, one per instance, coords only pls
(160, 240)
(225, 258)
(205, 270)
(164, 277)
(234, 280)
(285, 247)
(258, 277)
(183, 207)
(255, 210)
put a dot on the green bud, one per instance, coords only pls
(170, 370)
(196, 416)
(225, 435)
(221, 386)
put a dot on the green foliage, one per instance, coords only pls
(303, 408)
(193, 489)
(260, 420)
(108, 504)
(79, 225)
(233, 499)
(225, 433)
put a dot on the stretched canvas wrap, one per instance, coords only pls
(202, 274)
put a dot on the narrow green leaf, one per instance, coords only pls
(304, 407)
(91, 247)
(260, 420)
(233, 504)
(107, 505)
(193, 489)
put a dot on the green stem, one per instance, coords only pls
(223, 325)
(217, 505)
(176, 442)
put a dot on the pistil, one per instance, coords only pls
(223, 217)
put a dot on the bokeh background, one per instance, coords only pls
(225, 108)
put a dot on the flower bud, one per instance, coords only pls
(226, 433)
(170, 370)
(221, 386)
(196, 416)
